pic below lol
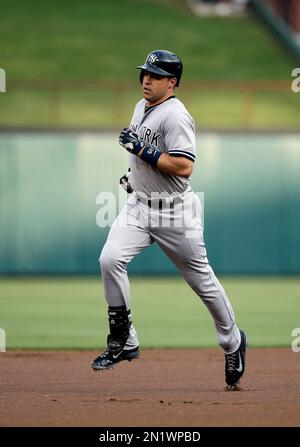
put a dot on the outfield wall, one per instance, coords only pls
(49, 183)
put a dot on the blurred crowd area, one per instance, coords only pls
(288, 10)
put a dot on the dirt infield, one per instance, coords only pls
(163, 388)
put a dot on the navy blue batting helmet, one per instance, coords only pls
(163, 63)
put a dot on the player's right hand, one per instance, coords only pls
(129, 140)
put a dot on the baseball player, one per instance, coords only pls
(162, 209)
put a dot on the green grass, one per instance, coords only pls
(71, 312)
(96, 109)
(229, 110)
(106, 39)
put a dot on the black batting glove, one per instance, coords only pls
(125, 182)
(130, 141)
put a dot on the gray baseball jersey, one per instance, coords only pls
(170, 128)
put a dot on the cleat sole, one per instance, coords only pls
(96, 368)
(104, 368)
(232, 388)
(129, 357)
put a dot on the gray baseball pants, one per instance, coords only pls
(174, 223)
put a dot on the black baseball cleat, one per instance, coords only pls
(235, 363)
(108, 359)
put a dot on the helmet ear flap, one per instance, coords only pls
(142, 74)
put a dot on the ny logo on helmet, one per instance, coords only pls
(153, 58)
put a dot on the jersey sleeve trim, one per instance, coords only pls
(181, 153)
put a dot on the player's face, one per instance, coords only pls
(157, 88)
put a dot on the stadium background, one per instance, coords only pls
(71, 85)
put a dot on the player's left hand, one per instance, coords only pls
(125, 182)
(130, 141)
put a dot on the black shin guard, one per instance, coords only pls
(119, 324)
